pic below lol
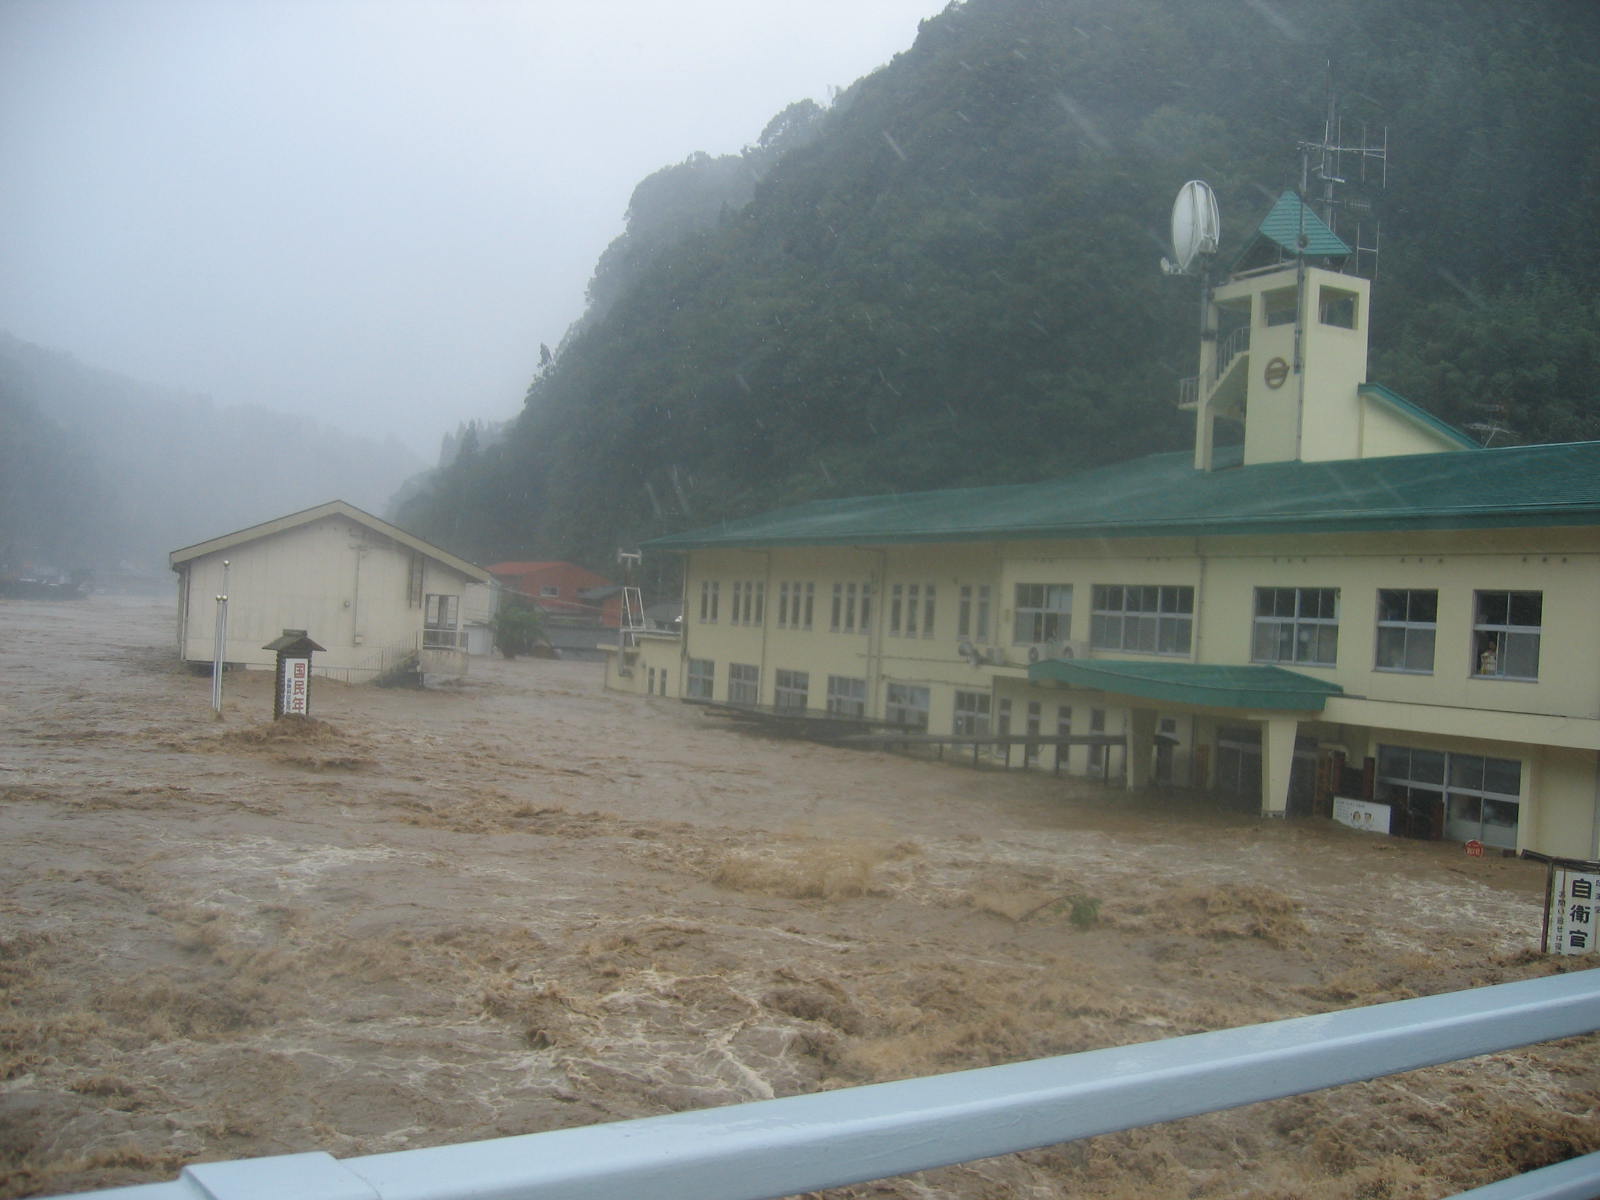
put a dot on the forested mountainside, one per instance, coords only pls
(103, 473)
(949, 276)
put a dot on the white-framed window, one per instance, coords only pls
(549, 591)
(852, 609)
(897, 607)
(441, 618)
(790, 689)
(795, 600)
(1462, 797)
(744, 683)
(749, 602)
(906, 704)
(972, 612)
(1296, 625)
(1143, 619)
(650, 685)
(913, 600)
(1030, 754)
(702, 678)
(927, 610)
(1063, 730)
(1042, 613)
(971, 714)
(847, 697)
(1408, 622)
(709, 589)
(1505, 634)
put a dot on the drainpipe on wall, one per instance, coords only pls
(766, 587)
(875, 636)
(683, 630)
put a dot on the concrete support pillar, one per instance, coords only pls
(1277, 760)
(1141, 734)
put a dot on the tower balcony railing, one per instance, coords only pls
(794, 1144)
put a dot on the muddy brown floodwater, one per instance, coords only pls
(523, 903)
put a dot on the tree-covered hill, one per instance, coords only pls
(950, 276)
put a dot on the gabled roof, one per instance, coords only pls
(1280, 232)
(333, 508)
(1163, 495)
(1421, 417)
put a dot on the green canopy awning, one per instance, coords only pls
(1200, 684)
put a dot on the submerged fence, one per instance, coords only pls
(775, 1148)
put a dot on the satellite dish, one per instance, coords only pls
(1195, 226)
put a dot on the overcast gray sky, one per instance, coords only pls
(369, 212)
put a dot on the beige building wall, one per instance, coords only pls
(1550, 725)
(347, 586)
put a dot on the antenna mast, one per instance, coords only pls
(1347, 170)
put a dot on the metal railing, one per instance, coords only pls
(774, 1148)
(1228, 349)
(1235, 344)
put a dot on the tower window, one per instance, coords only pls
(1336, 307)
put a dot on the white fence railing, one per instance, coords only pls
(774, 1148)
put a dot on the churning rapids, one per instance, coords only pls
(521, 903)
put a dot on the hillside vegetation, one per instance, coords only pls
(949, 276)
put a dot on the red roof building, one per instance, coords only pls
(564, 590)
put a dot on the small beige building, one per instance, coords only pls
(1334, 604)
(375, 596)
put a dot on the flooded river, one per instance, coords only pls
(522, 903)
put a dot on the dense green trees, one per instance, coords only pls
(949, 277)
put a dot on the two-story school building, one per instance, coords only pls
(1346, 589)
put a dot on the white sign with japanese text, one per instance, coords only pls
(296, 687)
(1574, 912)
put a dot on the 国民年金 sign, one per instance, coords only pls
(296, 687)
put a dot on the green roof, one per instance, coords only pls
(1247, 687)
(1283, 226)
(1163, 495)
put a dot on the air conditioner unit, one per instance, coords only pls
(1059, 648)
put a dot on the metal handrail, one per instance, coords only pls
(774, 1148)
(1235, 344)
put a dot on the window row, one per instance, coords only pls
(791, 690)
(1294, 625)
(1301, 625)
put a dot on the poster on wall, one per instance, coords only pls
(1361, 814)
(296, 689)
(1572, 912)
